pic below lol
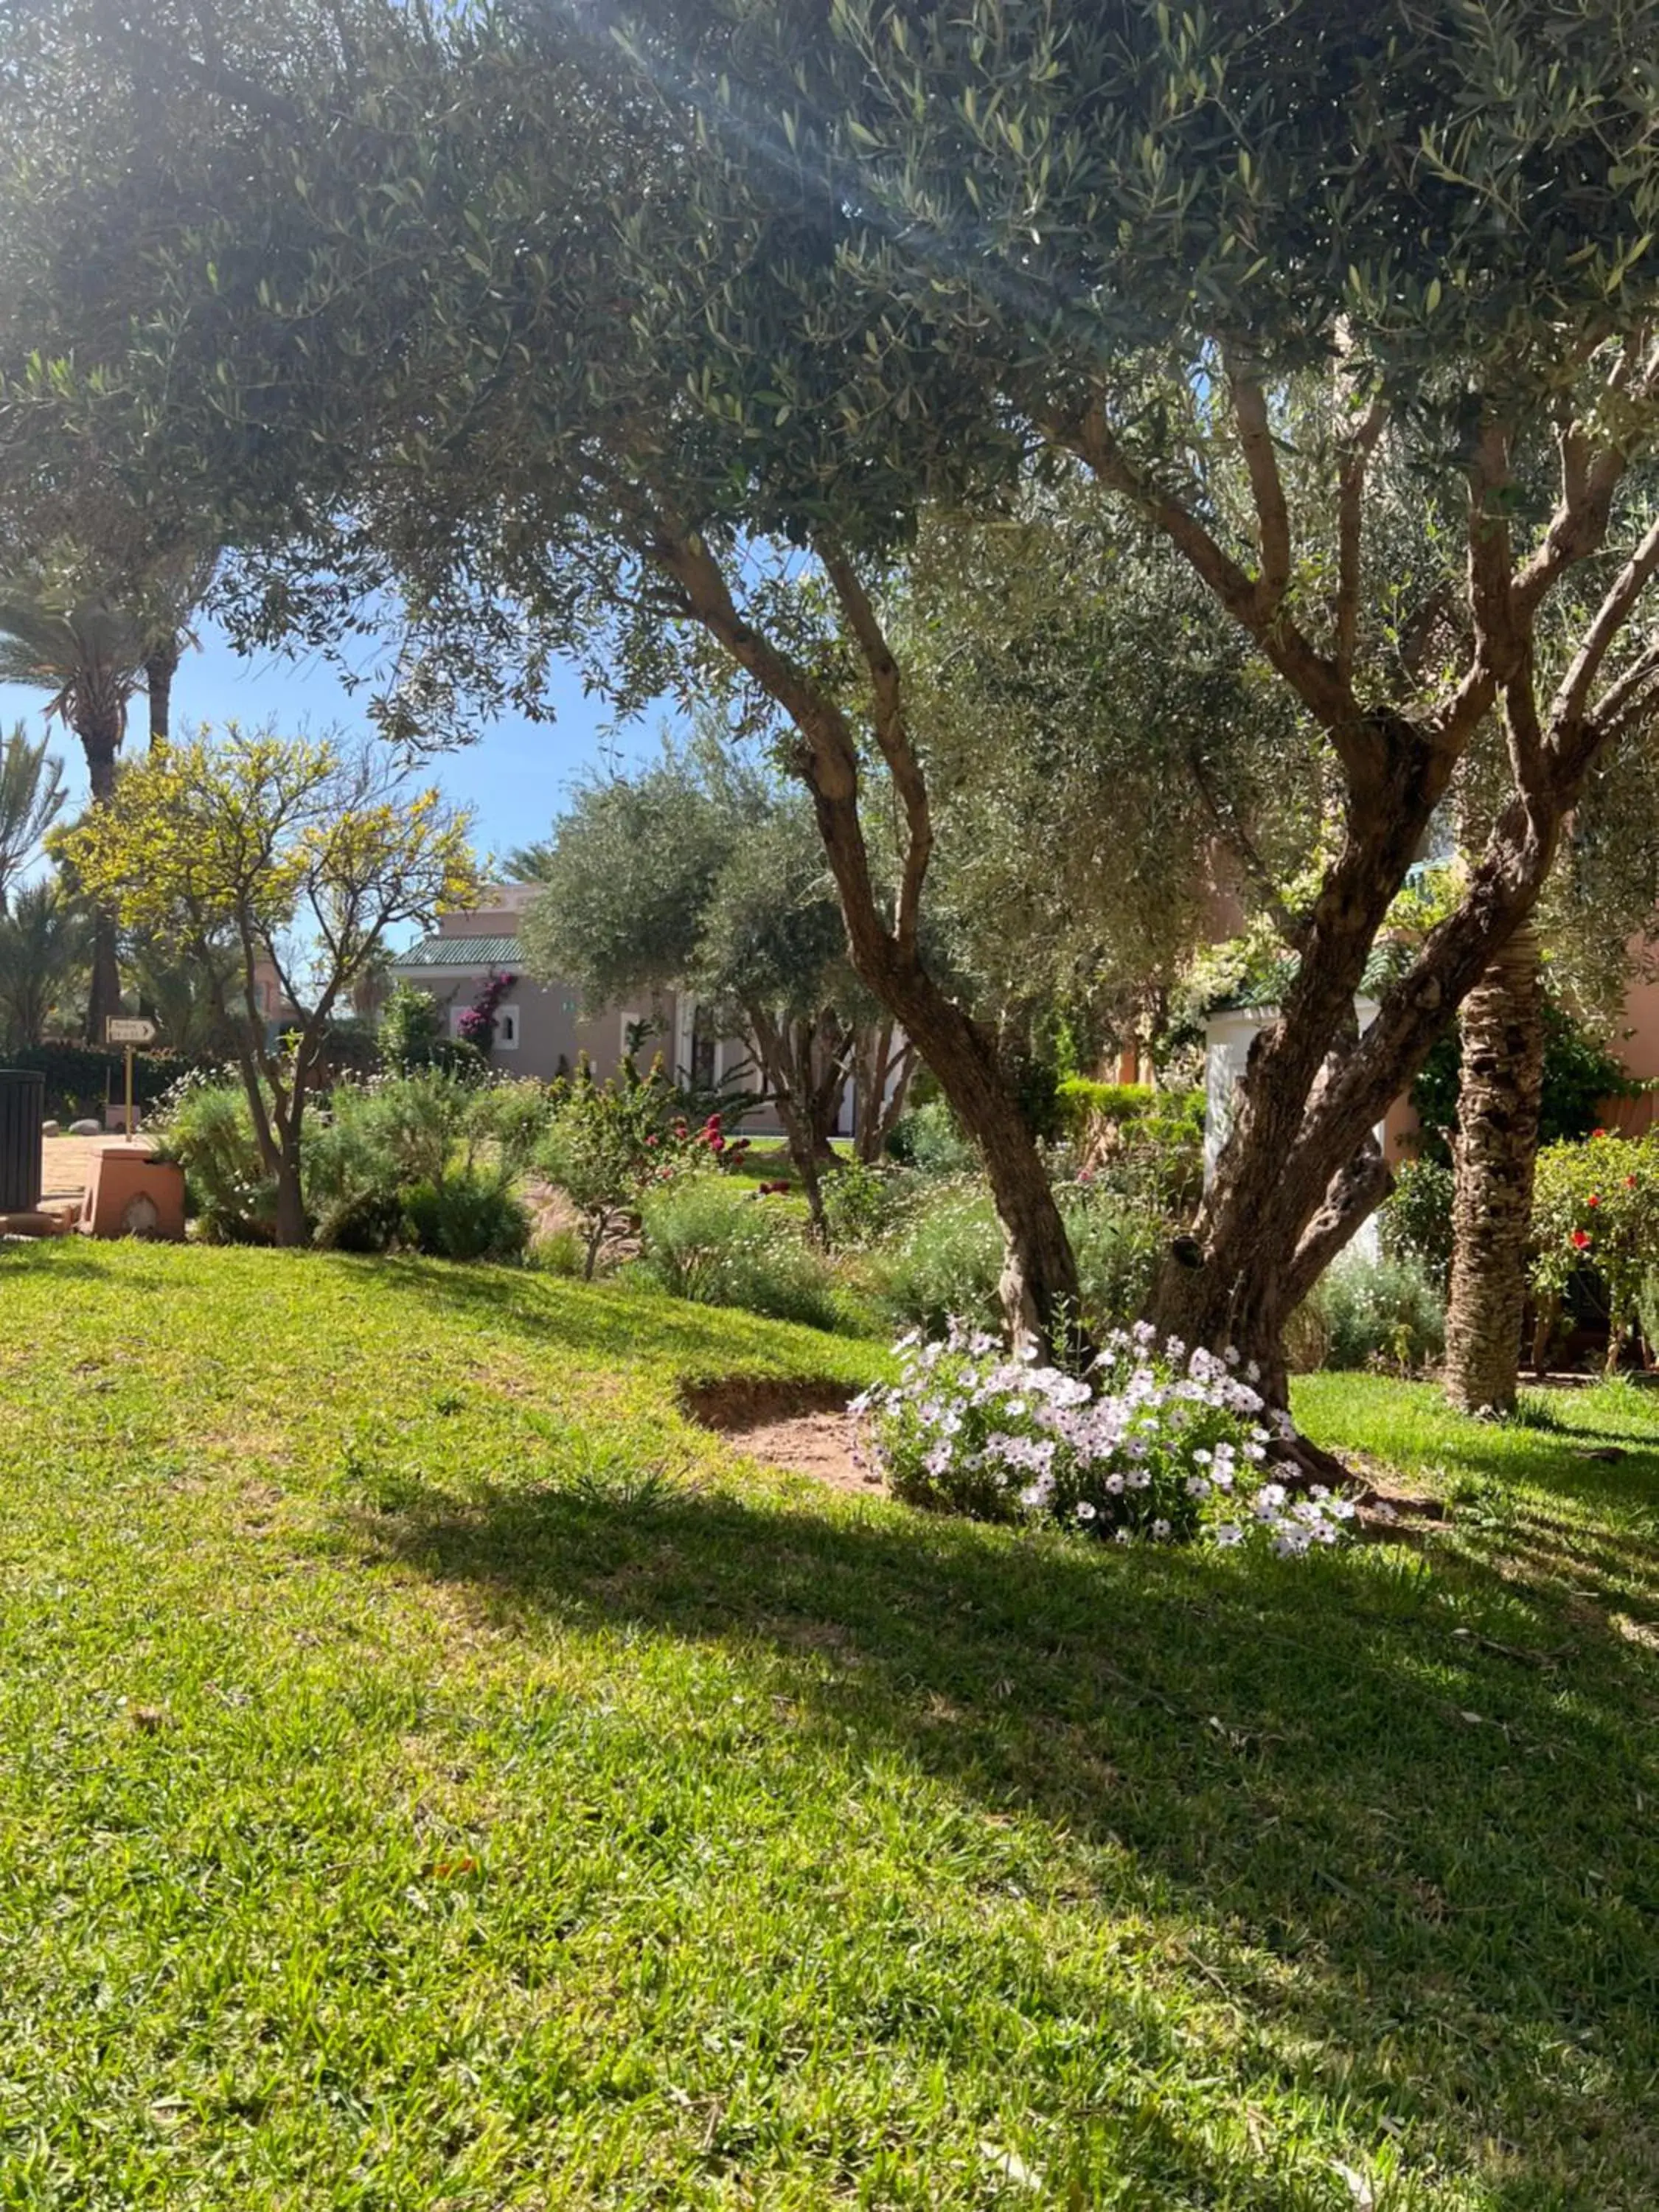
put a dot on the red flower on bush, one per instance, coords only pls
(1630, 1182)
(1594, 1199)
(1580, 1237)
(1594, 1134)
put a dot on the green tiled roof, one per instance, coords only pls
(462, 952)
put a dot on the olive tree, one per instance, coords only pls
(703, 872)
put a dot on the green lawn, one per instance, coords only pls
(432, 1774)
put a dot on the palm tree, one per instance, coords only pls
(43, 943)
(90, 656)
(31, 798)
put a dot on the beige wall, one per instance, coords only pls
(554, 1030)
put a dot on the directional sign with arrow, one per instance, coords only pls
(128, 1029)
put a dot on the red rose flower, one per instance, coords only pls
(1594, 1199)
(1580, 1237)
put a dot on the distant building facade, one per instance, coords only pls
(541, 1029)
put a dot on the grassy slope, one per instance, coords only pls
(431, 1773)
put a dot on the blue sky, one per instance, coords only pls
(515, 777)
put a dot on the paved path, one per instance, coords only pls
(66, 1163)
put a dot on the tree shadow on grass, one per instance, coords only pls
(1406, 1811)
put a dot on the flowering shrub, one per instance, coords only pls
(1384, 1313)
(1157, 1442)
(607, 1143)
(475, 1025)
(1596, 1210)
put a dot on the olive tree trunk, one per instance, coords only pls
(884, 1069)
(1501, 1028)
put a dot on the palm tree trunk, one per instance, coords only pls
(159, 671)
(104, 997)
(1502, 1029)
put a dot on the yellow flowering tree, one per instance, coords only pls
(302, 855)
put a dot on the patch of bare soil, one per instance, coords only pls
(804, 1427)
(1386, 1515)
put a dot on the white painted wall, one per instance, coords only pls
(1227, 1036)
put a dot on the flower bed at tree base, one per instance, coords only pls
(1156, 1443)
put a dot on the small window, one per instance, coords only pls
(507, 1029)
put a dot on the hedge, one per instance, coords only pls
(79, 1080)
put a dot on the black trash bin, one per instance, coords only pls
(22, 1109)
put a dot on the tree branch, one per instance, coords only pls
(1350, 522)
(1266, 490)
(828, 759)
(1315, 681)
(1567, 708)
(708, 600)
(892, 735)
(1529, 759)
(1589, 481)
(1497, 638)
(1355, 1192)
(1625, 695)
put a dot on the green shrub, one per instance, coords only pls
(411, 1026)
(353, 1189)
(714, 1241)
(81, 1080)
(559, 1252)
(1416, 1223)
(928, 1138)
(207, 1128)
(471, 1214)
(414, 1123)
(864, 1205)
(1369, 1313)
(1118, 1248)
(410, 1035)
(947, 1263)
(368, 1145)
(392, 1158)
(1082, 1101)
(512, 1118)
(605, 1144)
(1146, 1146)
